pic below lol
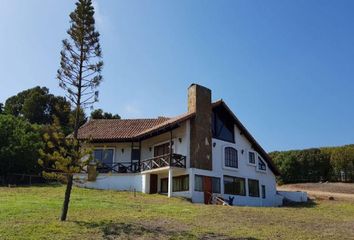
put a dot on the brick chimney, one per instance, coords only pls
(199, 101)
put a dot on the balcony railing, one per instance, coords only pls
(121, 167)
(173, 160)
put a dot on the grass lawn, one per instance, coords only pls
(33, 212)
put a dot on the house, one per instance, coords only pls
(203, 153)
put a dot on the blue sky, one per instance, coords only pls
(284, 67)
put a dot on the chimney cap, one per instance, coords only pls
(197, 85)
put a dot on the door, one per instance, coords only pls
(153, 183)
(207, 183)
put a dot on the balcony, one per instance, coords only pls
(173, 160)
(167, 160)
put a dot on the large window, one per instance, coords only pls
(231, 158)
(222, 125)
(252, 158)
(234, 186)
(199, 184)
(104, 156)
(253, 188)
(180, 183)
(261, 164)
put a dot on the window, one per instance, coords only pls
(231, 158)
(104, 156)
(215, 185)
(222, 125)
(162, 149)
(164, 185)
(252, 158)
(135, 154)
(180, 183)
(234, 186)
(261, 164)
(199, 184)
(263, 191)
(253, 188)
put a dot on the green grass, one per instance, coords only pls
(33, 213)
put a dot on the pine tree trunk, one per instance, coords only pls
(67, 198)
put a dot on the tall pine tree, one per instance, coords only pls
(79, 75)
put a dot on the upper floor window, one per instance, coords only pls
(252, 158)
(231, 157)
(261, 164)
(104, 156)
(222, 125)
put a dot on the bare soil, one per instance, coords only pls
(325, 190)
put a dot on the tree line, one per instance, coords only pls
(25, 118)
(315, 164)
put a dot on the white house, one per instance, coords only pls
(202, 153)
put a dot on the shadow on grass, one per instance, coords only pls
(35, 185)
(309, 204)
(115, 230)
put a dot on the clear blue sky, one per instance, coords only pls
(284, 67)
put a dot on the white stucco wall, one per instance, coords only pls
(122, 182)
(244, 170)
(294, 196)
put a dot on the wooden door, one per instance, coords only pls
(207, 182)
(153, 183)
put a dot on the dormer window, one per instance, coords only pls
(231, 157)
(261, 164)
(252, 158)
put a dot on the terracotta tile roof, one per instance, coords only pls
(125, 129)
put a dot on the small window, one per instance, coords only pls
(253, 188)
(164, 185)
(234, 186)
(231, 158)
(215, 185)
(263, 191)
(198, 183)
(252, 158)
(261, 164)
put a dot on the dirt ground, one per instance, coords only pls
(325, 190)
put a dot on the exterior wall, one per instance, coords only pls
(180, 142)
(294, 196)
(122, 182)
(245, 170)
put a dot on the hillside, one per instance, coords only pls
(32, 213)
